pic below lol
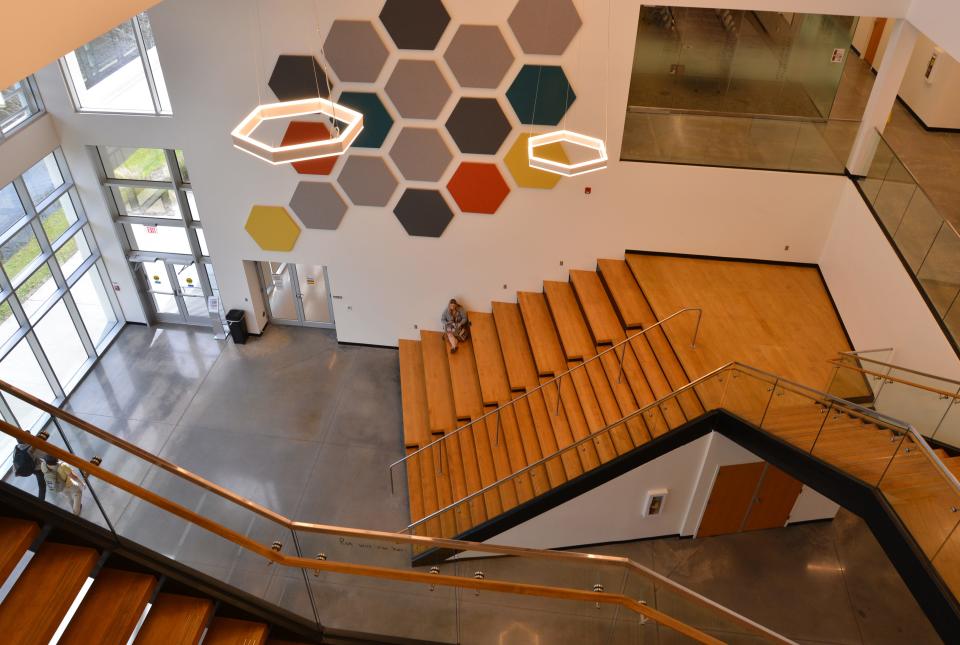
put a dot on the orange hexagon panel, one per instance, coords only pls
(478, 187)
(302, 132)
(272, 228)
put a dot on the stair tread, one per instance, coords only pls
(517, 355)
(545, 344)
(440, 407)
(413, 388)
(602, 317)
(112, 607)
(231, 631)
(625, 290)
(55, 574)
(175, 620)
(575, 338)
(414, 486)
(16, 536)
(465, 381)
(494, 383)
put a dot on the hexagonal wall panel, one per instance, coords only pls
(479, 56)
(318, 205)
(414, 24)
(478, 187)
(518, 163)
(376, 119)
(541, 94)
(354, 50)
(544, 26)
(272, 228)
(298, 77)
(301, 132)
(418, 89)
(367, 181)
(421, 154)
(423, 212)
(478, 126)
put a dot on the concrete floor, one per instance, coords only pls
(306, 427)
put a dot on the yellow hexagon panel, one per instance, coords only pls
(272, 228)
(519, 165)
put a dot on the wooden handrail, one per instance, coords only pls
(543, 591)
(944, 393)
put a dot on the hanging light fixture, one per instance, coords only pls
(243, 134)
(597, 147)
(243, 138)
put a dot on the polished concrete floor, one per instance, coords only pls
(306, 427)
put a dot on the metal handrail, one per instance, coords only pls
(897, 367)
(273, 555)
(893, 379)
(424, 542)
(734, 365)
(557, 379)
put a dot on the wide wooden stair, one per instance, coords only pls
(515, 349)
(56, 586)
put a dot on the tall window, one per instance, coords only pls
(57, 311)
(118, 72)
(153, 204)
(19, 103)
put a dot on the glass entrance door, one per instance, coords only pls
(297, 294)
(175, 290)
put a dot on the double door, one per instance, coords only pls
(176, 290)
(297, 294)
(747, 497)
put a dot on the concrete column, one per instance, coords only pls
(896, 57)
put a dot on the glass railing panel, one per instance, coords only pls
(894, 195)
(908, 395)
(795, 416)
(948, 431)
(856, 443)
(710, 390)
(919, 227)
(947, 561)
(883, 157)
(736, 141)
(747, 394)
(922, 495)
(940, 271)
(952, 318)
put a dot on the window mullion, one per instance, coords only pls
(78, 324)
(145, 61)
(45, 366)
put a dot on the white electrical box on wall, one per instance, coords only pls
(653, 504)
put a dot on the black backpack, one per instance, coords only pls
(23, 462)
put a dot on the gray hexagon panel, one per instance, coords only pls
(545, 26)
(418, 89)
(367, 180)
(478, 126)
(479, 56)
(422, 212)
(318, 205)
(355, 51)
(421, 154)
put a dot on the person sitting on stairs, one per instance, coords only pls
(456, 326)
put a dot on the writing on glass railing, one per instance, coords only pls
(375, 547)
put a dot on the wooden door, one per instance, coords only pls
(874, 42)
(733, 490)
(775, 498)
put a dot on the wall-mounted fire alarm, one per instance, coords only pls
(653, 505)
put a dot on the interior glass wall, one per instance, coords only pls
(19, 103)
(739, 62)
(57, 310)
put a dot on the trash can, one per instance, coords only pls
(237, 322)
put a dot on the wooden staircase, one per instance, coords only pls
(48, 577)
(513, 350)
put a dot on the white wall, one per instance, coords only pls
(936, 101)
(878, 301)
(612, 511)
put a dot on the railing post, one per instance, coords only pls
(826, 415)
(903, 436)
(696, 329)
(392, 491)
(557, 411)
(623, 354)
(773, 391)
(496, 436)
(946, 412)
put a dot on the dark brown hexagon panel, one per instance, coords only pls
(478, 126)
(414, 24)
(423, 212)
(298, 77)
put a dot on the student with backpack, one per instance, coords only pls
(61, 478)
(26, 462)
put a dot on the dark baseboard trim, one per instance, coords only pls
(729, 167)
(923, 124)
(349, 344)
(724, 258)
(906, 267)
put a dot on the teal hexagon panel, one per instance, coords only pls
(541, 94)
(376, 119)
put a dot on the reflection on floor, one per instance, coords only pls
(296, 422)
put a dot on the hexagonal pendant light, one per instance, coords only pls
(243, 138)
(565, 168)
